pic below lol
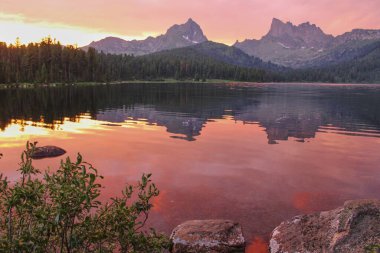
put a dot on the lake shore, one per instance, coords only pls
(163, 81)
(169, 81)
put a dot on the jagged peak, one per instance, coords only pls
(189, 31)
(309, 25)
(190, 20)
(178, 35)
(278, 28)
(189, 23)
(277, 21)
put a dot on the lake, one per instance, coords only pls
(254, 153)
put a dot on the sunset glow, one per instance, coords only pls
(189, 125)
(80, 22)
(15, 26)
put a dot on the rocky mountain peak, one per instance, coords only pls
(307, 45)
(278, 27)
(177, 36)
(189, 31)
(191, 21)
(305, 35)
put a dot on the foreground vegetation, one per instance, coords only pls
(60, 212)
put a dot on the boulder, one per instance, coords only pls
(211, 236)
(47, 152)
(353, 228)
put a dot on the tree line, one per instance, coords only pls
(50, 62)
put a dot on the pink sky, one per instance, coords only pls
(222, 20)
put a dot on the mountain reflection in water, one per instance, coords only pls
(298, 111)
(207, 145)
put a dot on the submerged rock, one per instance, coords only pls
(353, 228)
(47, 152)
(211, 236)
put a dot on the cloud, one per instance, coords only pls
(222, 20)
(17, 26)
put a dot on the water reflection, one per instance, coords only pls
(285, 111)
(207, 145)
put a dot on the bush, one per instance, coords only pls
(372, 249)
(60, 212)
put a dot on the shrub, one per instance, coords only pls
(60, 212)
(373, 248)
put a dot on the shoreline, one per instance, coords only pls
(168, 81)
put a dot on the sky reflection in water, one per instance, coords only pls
(258, 154)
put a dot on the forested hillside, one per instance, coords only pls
(50, 62)
(219, 52)
(364, 69)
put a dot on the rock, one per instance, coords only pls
(211, 236)
(47, 152)
(353, 228)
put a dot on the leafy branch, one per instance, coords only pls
(60, 211)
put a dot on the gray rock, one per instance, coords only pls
(211, 236)
(47, 152)
(353, 228)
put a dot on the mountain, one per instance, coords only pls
(351, 50)
(306, 45)
(358, 35)
(304, 35)
(177, 36)
(364, 68)
(217, 52)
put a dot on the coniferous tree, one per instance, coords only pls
(50, 62)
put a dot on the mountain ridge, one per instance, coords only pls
(176, 36)
(218, 52)
(297, 46)
(306, 44)
(304, 34)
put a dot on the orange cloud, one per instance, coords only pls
(222, 20)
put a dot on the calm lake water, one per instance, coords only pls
(257, 154)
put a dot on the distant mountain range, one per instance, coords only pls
(177, 36)
(306, 45)
(285, 45)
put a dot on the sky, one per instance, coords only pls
(82, 21)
